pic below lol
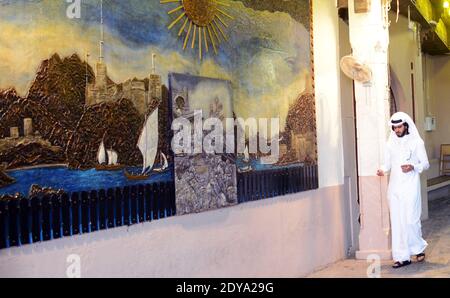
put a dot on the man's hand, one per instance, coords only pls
(380, 173)
(407, 168)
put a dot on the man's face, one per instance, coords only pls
(400, 130)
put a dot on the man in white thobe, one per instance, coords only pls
(406, 159)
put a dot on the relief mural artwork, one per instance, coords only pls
(203, 180)
(88, 103)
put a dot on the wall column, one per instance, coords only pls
(369, 38)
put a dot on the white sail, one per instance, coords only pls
(101, 154)
(113, 157)
(246, 155)
(166, 164)
(148, 141)
(247, 166)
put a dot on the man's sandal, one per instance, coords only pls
(401, 264)
(420, 257)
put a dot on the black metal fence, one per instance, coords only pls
(260, 185)
(44, 218)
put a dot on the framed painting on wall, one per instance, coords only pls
(87, 105)
(204, 180)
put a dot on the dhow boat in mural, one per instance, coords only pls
(107, 159)
(148, 145)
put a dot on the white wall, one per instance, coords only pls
(281, 237)
(284, 237)
(349, 140)
(402, 52)
(328, 104)
(438, 100)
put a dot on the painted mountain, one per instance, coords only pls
(65, 130)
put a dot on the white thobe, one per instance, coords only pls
(404, 195)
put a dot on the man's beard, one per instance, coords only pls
(405, 132)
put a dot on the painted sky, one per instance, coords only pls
(266, 58)
(205, 91)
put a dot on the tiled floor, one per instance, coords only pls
(436, 231)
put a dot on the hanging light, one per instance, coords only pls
(446, 4)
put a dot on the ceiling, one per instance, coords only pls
(440, 12)
(431, 42)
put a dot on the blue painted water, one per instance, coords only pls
(258, 166)
(75, 180)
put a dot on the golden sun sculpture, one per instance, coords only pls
(204, 20)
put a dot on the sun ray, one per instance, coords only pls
(168, 1)
(176, 9)
(187, 35)
(206, 40)
(215, 33)
(194, 37)
(220, 29)
(177, 20)
(224, 13)
(212, 40)
(182, 27)
(200, 42)
(211, 17)
(220, 19)
(223, 3)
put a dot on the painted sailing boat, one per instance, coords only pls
(148, 145)
(247, 166)
(107, 159)
(164, 164)
(5, 179)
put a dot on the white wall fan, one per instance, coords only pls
(355, 69)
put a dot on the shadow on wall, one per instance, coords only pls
(399, 93)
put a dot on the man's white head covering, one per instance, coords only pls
(401, 118)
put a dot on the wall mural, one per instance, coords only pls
(89, 91)
(203, 180)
